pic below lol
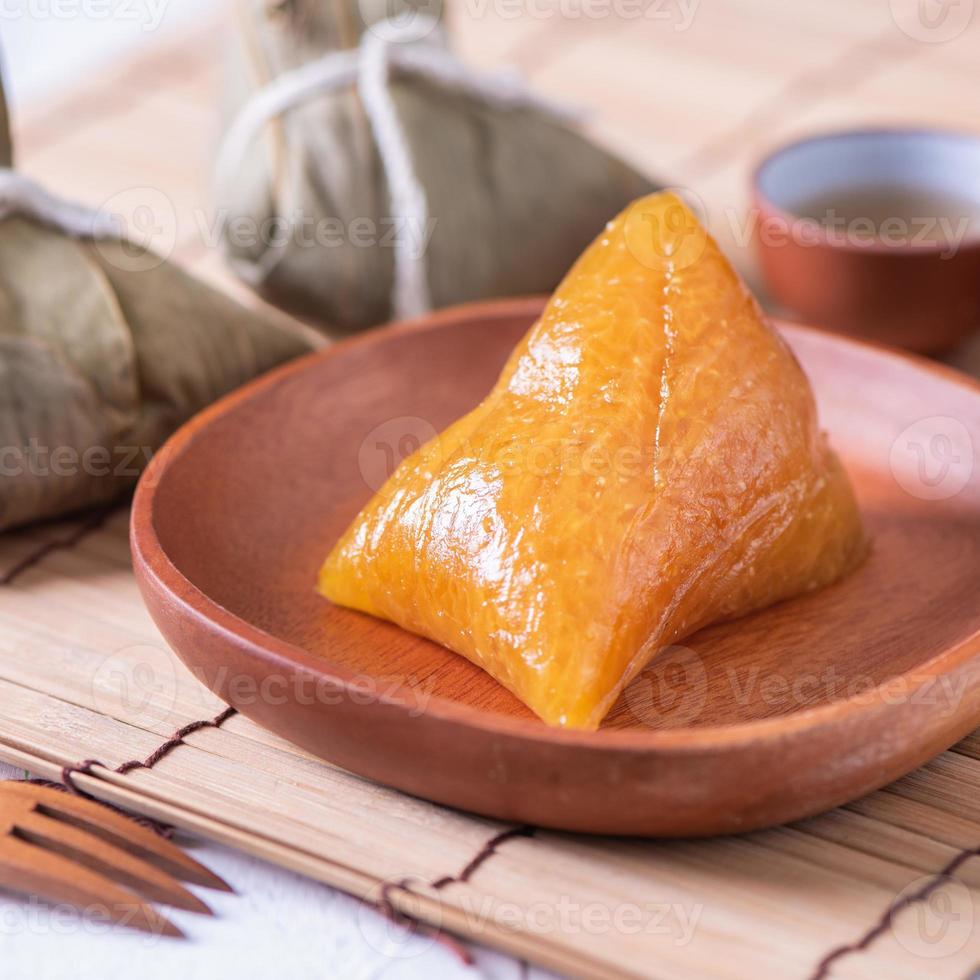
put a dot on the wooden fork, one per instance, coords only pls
(64, 848)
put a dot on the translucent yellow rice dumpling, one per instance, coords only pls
(648, 463)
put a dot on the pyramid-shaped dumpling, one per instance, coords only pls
(649, 462)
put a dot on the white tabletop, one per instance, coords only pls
(277, 924)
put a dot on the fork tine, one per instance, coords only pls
(127, 869)
(33, 871)
(118, 830)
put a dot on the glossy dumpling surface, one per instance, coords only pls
(648, 463)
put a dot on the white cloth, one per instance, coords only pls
(278, 924)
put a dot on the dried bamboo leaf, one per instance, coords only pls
(100, 361)
(71, 311)
(515, 195)
(51, 421)
(104, 350)
(191, 343)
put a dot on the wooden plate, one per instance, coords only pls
(775, 716)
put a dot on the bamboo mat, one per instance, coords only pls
(858, 892)
(84, 675)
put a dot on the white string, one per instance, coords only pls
(410, 289)
(408, 48)
(19, 195)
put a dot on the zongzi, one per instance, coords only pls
(648, 463)
(105, 348)
(504, 193)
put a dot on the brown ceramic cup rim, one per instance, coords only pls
(768, 206)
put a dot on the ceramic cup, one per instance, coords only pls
(875, 234)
